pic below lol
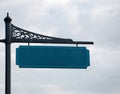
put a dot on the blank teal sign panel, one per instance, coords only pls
(52, 57)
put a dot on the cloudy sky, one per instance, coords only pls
(93, 20)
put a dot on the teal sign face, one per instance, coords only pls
(52, 57)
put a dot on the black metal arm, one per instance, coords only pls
(24, 36)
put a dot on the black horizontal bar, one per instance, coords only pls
(2, 40)
(83, 42)
(50, 41)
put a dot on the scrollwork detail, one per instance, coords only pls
(24, 35)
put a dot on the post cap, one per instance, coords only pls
(7, 18)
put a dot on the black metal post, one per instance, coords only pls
(8, 54)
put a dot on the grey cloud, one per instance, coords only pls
(104, 31)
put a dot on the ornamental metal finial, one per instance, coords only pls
(7, 19)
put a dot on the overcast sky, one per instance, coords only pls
(93, 20)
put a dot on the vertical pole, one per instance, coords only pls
(8, 54)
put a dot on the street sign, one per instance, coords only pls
(41, 56)
(52, 57)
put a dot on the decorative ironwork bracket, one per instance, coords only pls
(20, 35)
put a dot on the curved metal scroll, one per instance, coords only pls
(21, 35)
(24, 36)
